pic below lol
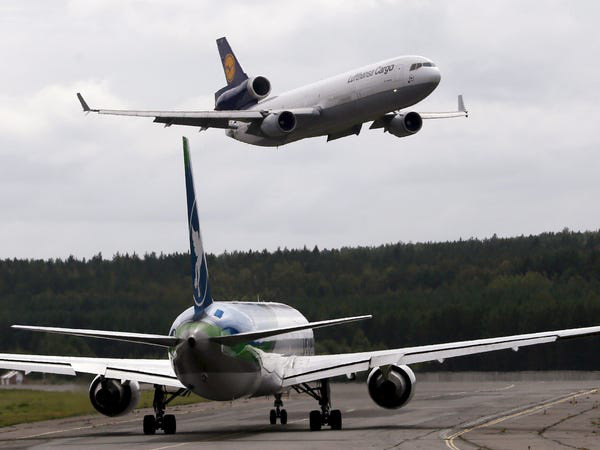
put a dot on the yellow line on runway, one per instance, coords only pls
(450, 439)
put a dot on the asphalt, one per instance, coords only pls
(445, 413)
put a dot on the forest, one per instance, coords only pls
(418, 293)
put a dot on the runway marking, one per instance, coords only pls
(548, 404)
(66, 430)
(450, 394)
(171, 446)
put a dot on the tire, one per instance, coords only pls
(149, 424)
(273, 417)
(169, 424)
(335, 419)
(314, 419)
(283, 417)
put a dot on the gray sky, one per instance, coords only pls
(526, 161)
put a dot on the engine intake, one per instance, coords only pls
(259, 87)
(278, 124)
(402, 125)
(245, 94)
(391, 387)
(113, 398)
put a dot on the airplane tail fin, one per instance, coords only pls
(234, 74)
(202, 295)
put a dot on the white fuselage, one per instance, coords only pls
(219, 372)
(348, 100)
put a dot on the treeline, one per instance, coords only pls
(418, 294)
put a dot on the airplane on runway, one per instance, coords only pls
(224, 350)
(335, 107)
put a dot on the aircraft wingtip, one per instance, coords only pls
(84, 105)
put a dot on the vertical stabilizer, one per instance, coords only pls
(202, 295)
(234, 74)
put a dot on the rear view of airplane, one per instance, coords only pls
(228, 350)
(335, 107)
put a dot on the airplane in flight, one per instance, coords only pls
(225, 350)
(334, 107)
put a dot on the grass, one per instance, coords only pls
(20, 405)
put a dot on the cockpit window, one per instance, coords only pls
(416, 66)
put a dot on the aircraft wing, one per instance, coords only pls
(154, 371)
(303, 369)
(202, 119)
(460, 112)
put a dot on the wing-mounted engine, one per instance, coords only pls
(391, 387)
(113, 398)
(278, 124)
(245, 94)
(401, 124)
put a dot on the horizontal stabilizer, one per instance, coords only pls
(140, 338)
(234, 339)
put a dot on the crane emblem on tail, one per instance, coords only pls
(229, 67)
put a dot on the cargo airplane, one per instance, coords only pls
(225, 350)
(334, 107)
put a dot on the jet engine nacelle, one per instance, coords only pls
(244, 94)
(391, 387)
(113, 398)
(402, 125)
(258, 87)
(278, 124)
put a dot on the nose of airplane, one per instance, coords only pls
(435, 76)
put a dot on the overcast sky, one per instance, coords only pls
(526, 161)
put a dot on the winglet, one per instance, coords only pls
(84, 105)
(461, 105)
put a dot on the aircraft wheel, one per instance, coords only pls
(314, 419)
(273, 417)
(149, 424)
(283, 416)
(335, 419)
(169, 424)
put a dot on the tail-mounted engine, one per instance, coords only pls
(391, 387)
(113, 398)
(278, 124)
(247, 93)
(402, 125)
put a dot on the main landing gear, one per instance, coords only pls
(278, 412)
(160, 420)
(326, 416)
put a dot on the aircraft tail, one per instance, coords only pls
(202, 295)
(234, 74)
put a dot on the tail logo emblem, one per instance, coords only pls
(200, 272)
(229, 64)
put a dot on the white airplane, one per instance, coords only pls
(335, 107)
(229, 350)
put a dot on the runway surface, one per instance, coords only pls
(450, 414)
